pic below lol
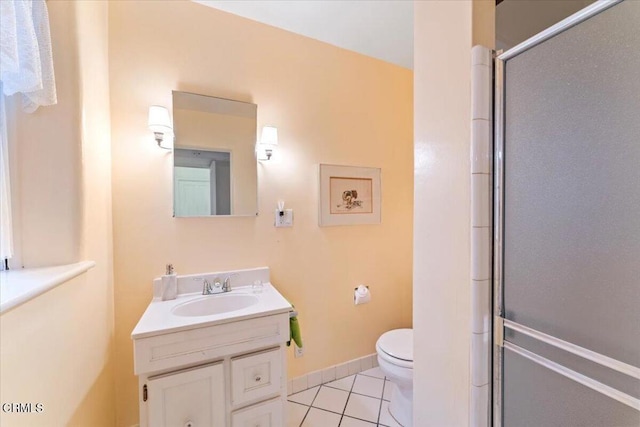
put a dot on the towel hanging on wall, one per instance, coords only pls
(26, 67)
(26, 57)
(294, 330)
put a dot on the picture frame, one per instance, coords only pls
(349, 195)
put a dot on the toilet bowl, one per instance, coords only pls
(395, 357)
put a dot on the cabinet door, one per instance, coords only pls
(267, 414)
(189, 398)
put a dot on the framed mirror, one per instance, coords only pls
(214, 163)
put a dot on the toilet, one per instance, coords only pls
(395, 357)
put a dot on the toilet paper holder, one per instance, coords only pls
(361, 295)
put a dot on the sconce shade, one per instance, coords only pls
(159, 120)
(269, 135)
(268, 139)
(160, 125)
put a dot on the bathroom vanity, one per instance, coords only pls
(214, 360)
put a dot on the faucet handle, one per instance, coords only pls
(227, 282)
(206, 286)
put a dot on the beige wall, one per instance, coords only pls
(442, 292)
(99, 405)
(58, 348)
(484, 23)
(330, 106)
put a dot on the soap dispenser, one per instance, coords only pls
(169, 284)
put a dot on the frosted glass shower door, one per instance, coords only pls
(567, 274)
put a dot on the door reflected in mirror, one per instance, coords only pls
(214, 164)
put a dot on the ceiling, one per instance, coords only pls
(382, 29)
(188, 158)
(517, 20)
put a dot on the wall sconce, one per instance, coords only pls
(268, 141)
(160, 125)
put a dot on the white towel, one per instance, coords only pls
(27, 60)
(8, 44)
(26, 67)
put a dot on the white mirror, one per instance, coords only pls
(214, 163)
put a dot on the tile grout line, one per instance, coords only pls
(305, 415)
(370, 376)
(309, 407)
(366, 395)
(306, 412)
(350, 416)
(338, 413)
(384, 385)
(337, 388)
(355, 376)
(359, 394)
(350, 391)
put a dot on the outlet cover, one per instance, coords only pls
(284, 220)
(297, 351)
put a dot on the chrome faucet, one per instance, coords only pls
(212, 288)
(217, 287)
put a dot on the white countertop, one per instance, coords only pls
(158, 317)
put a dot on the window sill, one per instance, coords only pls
(20, 286)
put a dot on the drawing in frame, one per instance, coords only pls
(349, 195)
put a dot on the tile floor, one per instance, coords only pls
(360, 400)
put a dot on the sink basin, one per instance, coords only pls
(215, 304)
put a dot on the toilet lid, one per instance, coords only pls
(397, 343)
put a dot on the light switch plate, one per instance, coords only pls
(285, 220)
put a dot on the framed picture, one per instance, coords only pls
(349, 195)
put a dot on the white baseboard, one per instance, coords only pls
(331, 373)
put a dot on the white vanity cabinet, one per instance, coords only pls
(224, 375)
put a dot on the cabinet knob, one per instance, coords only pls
(258, 378)
(189, 424)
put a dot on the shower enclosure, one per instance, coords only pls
(567, 224)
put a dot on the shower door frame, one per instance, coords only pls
(498, 190)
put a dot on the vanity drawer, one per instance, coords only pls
(256, 376)
(267, 414)
(199, 345)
